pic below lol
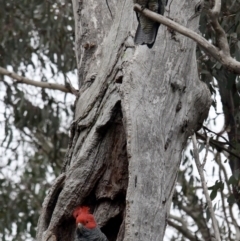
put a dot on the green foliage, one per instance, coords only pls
(234, 179)
(219, 79)
(217, 186)
(21, 201)
(36, 36)
(43, 142)
(41, 28)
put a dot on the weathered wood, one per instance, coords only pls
(136, 110)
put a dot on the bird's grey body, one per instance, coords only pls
(147, 28)
(85, 234)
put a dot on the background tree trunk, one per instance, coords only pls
(136, 109)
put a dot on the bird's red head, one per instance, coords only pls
(82, 215)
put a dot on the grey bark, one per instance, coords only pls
(136, 109)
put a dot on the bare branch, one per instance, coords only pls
(219, 54)
(221, 37)
(219, 161)
(196, 213)
(209, 202)
(221, 166)
(217, 7)
(73, 90)
(219, 135)
(216, 144)
(24, 80)
(179, 219)
(184, 231)
(207, 147)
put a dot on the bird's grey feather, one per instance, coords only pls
(85, 234)
(147, 29)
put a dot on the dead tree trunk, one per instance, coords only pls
(136, 109)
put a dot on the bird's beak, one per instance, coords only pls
(79, 225)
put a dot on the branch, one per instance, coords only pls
(205, 157)
(196, 213)
(221, 166)
(216, 8)
(184, 231)
(216, 144)
(219, 135)
(218, 54)
(209, 202)
(221, 37)
(219, 161)
(21, 79)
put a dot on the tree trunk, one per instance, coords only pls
(136, 109)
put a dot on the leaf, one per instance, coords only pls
(211, 187)
(191, 152)
(214, 207)
(232, 180)
(202, 145)
(218, 65)
(213, 171)
(208, 215)
(10, 138)
(213, 194)
(231, 199)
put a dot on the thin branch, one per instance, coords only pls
(216, 144)
(221, 166)
(179, 219)
(221, 37)
(219, 161)
(196, 213)
(73, 90)
(204, 185)
(219, 135)
(185, 232)
(217, 7)
(220, 55)
(21, 79)
(206, 153)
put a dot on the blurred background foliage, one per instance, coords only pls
(41, 27)
(38, 42)
(190, 218)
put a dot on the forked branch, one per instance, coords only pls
(220, 52)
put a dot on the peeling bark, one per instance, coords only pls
(136, 109)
